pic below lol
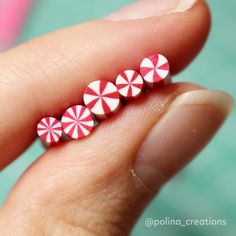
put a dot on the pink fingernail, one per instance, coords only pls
(147, 8)
(191, 121)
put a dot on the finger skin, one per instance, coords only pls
(91, 180)
(46, 75)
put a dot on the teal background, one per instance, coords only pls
(204, 189)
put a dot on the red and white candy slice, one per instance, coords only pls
(155, 70)
(129, 84)
(77, 122)
(102, 98)
(49, 130)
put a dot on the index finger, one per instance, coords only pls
(44, 76)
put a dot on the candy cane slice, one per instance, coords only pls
(155, 70)
(129, 84)
(102, 98)
(49, 130)
(77, 122)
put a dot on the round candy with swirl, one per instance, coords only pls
(77, 122)
(102, 98)
(155, 70)
(49, 130)
(129, 84)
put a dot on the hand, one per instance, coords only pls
(101, 184)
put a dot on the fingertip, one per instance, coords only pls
(193, 29)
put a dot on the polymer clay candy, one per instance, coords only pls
(49, 130)
(77, 122)
(129, 84)
(155, 70)
(102, 98)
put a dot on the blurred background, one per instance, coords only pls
(204, 189)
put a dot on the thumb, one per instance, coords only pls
(100, 185)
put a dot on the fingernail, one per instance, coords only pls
(190, 122)
(147, 8)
